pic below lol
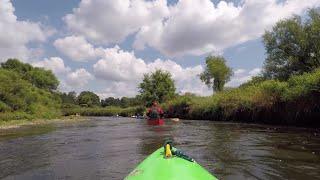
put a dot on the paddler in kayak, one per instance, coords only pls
(155, 112)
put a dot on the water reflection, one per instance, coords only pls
(109, 148)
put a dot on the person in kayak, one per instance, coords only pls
(155, 111)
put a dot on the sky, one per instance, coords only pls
(106, 46)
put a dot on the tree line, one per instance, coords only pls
(90, 99)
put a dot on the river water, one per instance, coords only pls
(109, 148)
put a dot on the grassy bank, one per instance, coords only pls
(11, 124)
(292, 102)
(103, 111)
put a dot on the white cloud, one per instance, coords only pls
(199, 27)
(255, 71)
(187, 27)
(119, 89)
(239, 71)
(241, 76)
(78, 78)
(68, 79)
(186, 79)
(77, 48)
(15, 35)
(55, 64)
(119, 69)
(109, 21)
(119, 65)
(123, 70)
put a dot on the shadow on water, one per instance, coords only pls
(109, 148)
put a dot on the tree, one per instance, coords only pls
(157, 86)
(217, 73)
(38, 77)
(88, 98)
(17, 94)
(123, 102)
(17, 66)
(293, 46)
(69, 98)
(110, 101)
(43, 79)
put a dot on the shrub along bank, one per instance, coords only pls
(292, 102)
(103, 111)
(27, 92)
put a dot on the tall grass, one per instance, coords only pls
(295, 102)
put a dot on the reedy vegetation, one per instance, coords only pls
(294, 102)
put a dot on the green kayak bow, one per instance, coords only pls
(169, 163)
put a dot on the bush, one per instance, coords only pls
(4, 107)
(18, 95)
(303, 85)
(271, 101)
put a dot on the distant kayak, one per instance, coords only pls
(155, 122)
(158, 167)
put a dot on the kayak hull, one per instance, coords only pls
(156, 122)
(157, 167)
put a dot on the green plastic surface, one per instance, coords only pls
(156, 166)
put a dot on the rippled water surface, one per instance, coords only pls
(109, 148)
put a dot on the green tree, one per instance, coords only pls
(38, 77)
(17, 66)
(17, 94)
(157, 86)
(110, 101)
(88, 98)
(293, 46)
(43, 79)
(125, 101)
(217, 73)
(69, 98)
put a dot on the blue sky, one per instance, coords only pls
(106, 46)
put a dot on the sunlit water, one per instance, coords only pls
(109, 148)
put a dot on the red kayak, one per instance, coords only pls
(155, 122)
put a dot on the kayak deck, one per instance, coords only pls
(156, 166)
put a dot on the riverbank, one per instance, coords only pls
(14, 124)
(19, 119)
(103, 111)
(295, 102)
